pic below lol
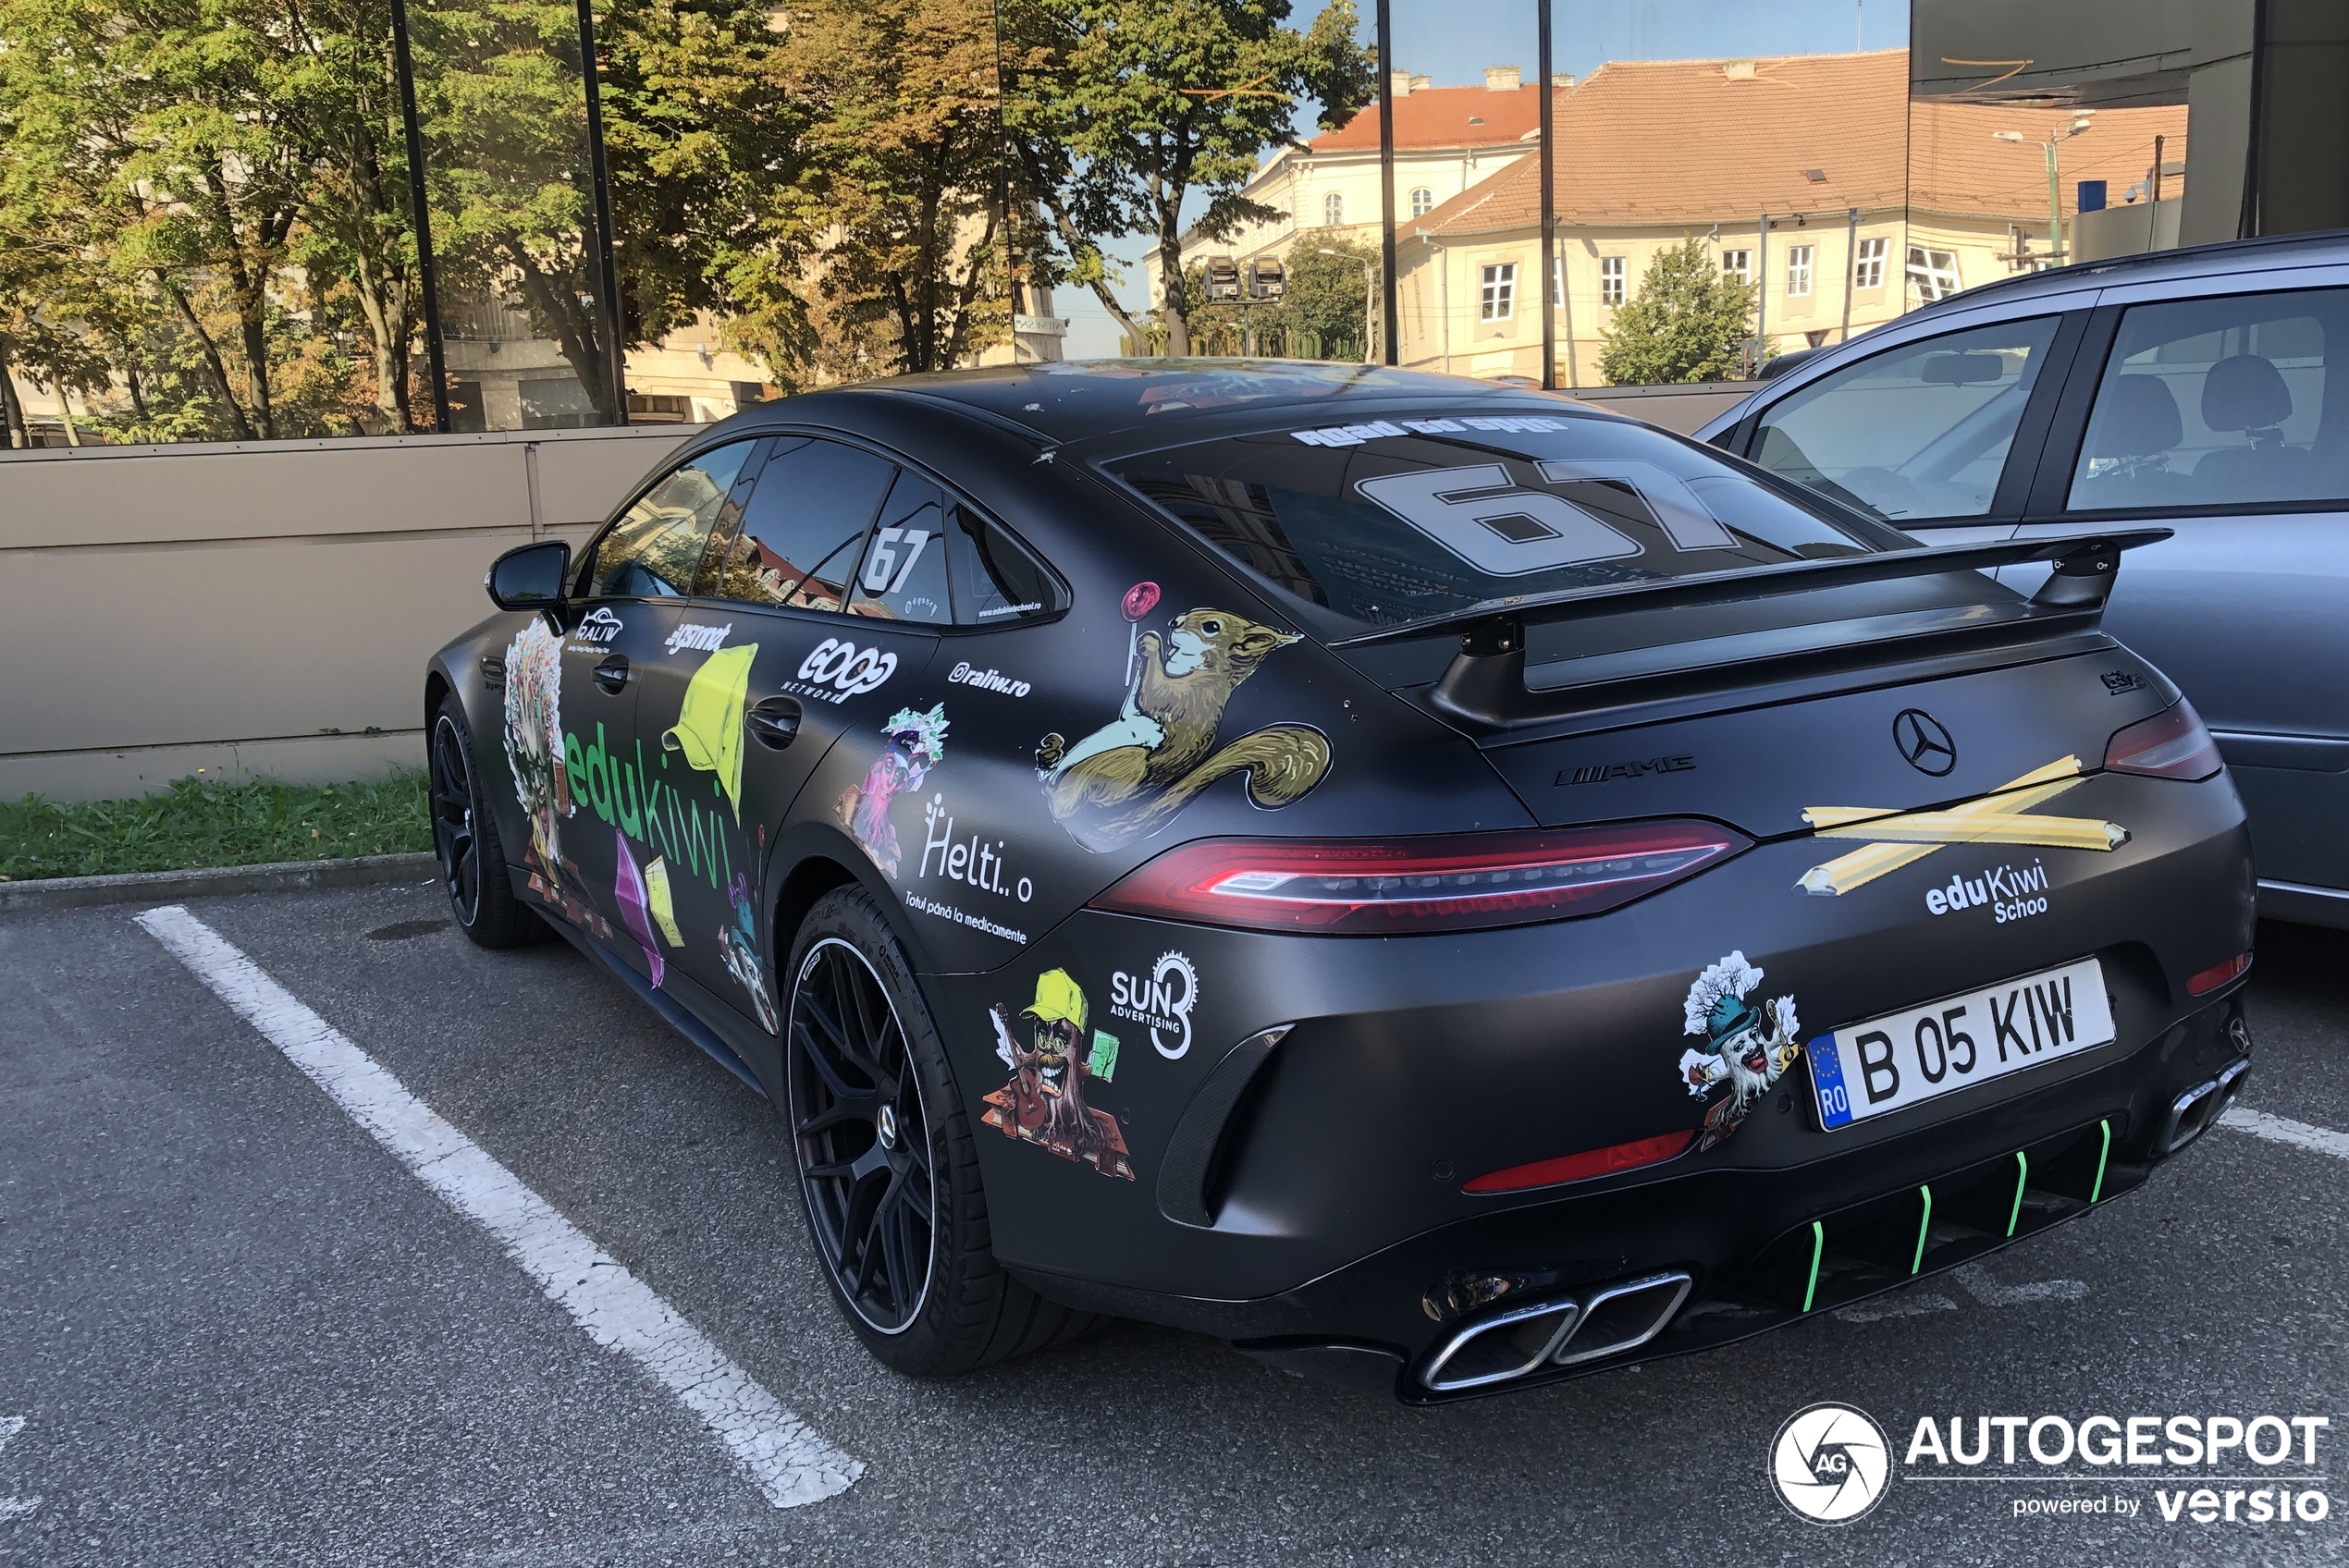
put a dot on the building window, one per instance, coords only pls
(1798, 272)
(1610, 280)
(1935, 273)
(1738, 265)
(1557, 281)
(1498, 301)
(1422, 201)
(1333, 210)
(1867, 266)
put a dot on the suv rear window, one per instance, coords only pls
(1414, 516)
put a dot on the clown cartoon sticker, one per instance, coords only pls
(916, 744)
(1745, 1048)
(1128, 779)
(1044, 1103)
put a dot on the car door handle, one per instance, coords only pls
(775, 722)
(612, 674)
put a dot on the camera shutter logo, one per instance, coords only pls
(1830, 1464)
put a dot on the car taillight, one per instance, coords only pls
(1583, 1167)
(2217, 975)
(2171, 744)
(1457, 882)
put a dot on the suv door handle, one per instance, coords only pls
(612, 674)
(775, 722)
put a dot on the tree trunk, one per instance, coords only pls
(1173, 310)
(65, 413)
(11, 411)
(1077, 244)
(575, 336)
(219, 372)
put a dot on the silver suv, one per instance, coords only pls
(2196, 389)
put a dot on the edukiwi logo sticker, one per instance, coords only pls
(916, 744)
(1128, 779)
(1044, 1102)
(1747, 1049)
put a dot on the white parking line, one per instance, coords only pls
(10, 1507)
(782, 1455)
(2283, 1130)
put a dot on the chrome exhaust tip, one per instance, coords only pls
(1623, 1316)
(1599, 1321)
(1508, 1344)
(2196, 1109)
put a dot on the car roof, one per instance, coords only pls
(1064, 401)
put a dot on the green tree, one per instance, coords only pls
(1120, 109)
(1689, 322)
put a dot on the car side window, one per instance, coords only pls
(2208, 402)
(655, 550)
(998, 579)
(903, 575)
(1917, 432)
(804, 526)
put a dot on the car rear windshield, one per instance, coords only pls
(1414, 516)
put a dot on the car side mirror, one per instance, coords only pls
(531, 577)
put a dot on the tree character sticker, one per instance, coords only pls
(738, 944)
(533, 742)
(1746, 1048)
(1044, 1103)
(1128, 779)
(916, 744)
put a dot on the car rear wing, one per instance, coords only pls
(1485, 685)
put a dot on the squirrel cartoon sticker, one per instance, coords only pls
(1747, 1048)
(1044, 1103)
(916, 744)
(1128, 779)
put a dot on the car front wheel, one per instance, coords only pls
(465, 836)
(887, 1169)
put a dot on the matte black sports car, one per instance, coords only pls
(1440, 887)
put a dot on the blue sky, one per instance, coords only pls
(1453, 41)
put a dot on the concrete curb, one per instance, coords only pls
(162, 886)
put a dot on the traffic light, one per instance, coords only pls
(1223, 278)
(1266, 277)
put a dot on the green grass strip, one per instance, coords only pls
(2022, 1174)
(1923, 1226)
(202, 822)
(2103, 1154)
(1818, 1250)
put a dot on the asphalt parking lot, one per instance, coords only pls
(235, 1328)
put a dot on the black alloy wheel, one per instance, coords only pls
(464, 834)
(452, 820)
(863, 1138)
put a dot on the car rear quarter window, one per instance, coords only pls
(1418, 515)
(655, 550)
(1917, 434)
(803, 528)
(903, 576)
(2220, 402)
(998, 579)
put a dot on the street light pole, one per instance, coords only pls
(2055, 181)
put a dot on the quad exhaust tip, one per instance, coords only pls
(2198, 1109)
(1599, 1321)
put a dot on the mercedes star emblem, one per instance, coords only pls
(1923, 743)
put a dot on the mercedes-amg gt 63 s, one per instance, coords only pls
(1442, 887)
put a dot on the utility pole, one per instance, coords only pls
(420, 212)
(1386, 176)
(1547, 153)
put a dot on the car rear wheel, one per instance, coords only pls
(887, 1167)
(464, 834)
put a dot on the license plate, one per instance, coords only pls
(1904, 1058)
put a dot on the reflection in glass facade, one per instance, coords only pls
(849, 189)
